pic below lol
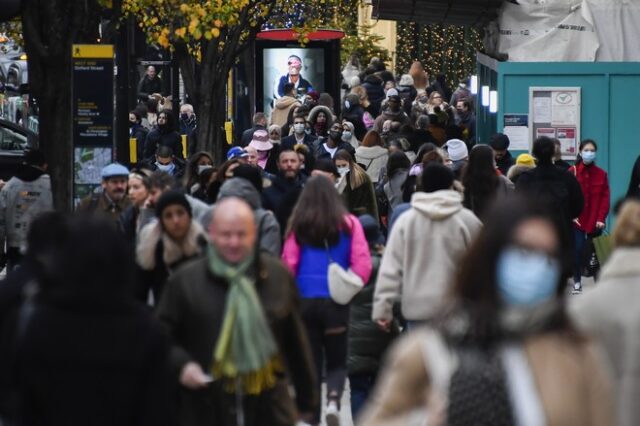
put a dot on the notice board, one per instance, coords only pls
(93, 115)
(555, 112)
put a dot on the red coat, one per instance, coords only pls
(595, 188)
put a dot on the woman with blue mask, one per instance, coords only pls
(502, 351)
(595, 188)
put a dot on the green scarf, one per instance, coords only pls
(246, 352)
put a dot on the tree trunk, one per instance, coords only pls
(50, 27)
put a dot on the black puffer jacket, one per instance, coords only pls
(367, 343)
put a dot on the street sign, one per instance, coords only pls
(93, 115)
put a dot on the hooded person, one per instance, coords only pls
(458, 154)
(407, 92)
(24, 197)
(354, 113)
(321, 120)
(269, 239)
(437, 211)
(348, 134)
(167, 243)
(283, 105)
(524, 162)
(375, 92)
(165, 134)
(500, 145)
(392, 112)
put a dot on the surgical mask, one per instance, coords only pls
(343, 170)
(165, 167)
(526, 278)
(335, 135)
(298, 128)
(346, 136)
(588, 157)
(203, 167)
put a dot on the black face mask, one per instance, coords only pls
(336, 135)
(184, 116)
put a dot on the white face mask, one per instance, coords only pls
(203, 167)
(298, 128)
(343, 170)
(346, 136)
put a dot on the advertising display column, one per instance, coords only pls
(93, 115)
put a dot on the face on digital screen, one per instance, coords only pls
(302, 67)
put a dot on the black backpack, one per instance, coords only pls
(478, 393)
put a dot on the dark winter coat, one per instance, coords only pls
(147, 87)
(505, 163)
(160, 137)
(558, 189)
(634, 180)
(281, 197)
(139, 133)
(158, 256)
(99, 204)
(354, 116)
(375, 93)
(408, 94)
(321, 152)
(192, 309)
(367, 343)
(361, 200)
(82, 366)
(290, 141)
(595, 189)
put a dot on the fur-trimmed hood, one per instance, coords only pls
(516, 170)
(313, 114)
(172, 253)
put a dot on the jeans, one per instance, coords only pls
(361, 385)
(580, 238)
(326, 324)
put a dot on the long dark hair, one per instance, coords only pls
(397, 161)
(475, 288)
(191, 176)
(480, 179)
(319, 215)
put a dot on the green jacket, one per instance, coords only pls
(367, 343)
(361, 200)
(192, 309)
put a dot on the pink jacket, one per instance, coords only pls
(360, 261)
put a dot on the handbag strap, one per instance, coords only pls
(326, 247)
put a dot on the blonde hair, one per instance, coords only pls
(357, 176)
(627, 230)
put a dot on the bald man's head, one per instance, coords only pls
(233, 229)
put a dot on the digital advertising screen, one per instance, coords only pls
(304, 67)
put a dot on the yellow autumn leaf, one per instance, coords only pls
(181, 32)
(215, 32)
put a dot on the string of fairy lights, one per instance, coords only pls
(450, 50)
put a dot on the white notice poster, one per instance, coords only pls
(541, 110)
(563, 109)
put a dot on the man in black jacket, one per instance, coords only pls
(259, 123)
(299, 136)
(149, 84)
(548, 184)
(499, 143)
(285, 189)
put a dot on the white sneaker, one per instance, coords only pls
(332, 415)
(577, 288)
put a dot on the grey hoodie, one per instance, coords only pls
(423, 252)
(268, 227)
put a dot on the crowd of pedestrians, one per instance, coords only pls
(378, 246)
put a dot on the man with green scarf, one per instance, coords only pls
(238, 338)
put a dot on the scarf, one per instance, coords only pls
(246, 353)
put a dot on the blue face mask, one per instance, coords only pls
(588, 157)
(526, 277)
(169, 168)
